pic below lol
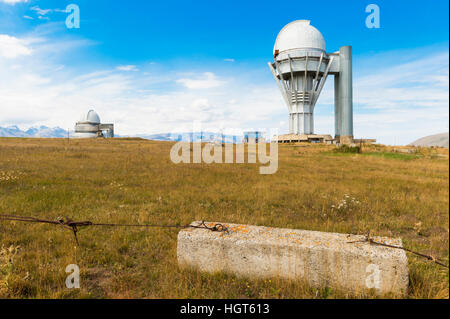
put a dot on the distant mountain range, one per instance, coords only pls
(432, 140)
(57, 132)
(441, 140)
(41, 131)
(194, 137)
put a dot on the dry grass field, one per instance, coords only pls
(134, 181)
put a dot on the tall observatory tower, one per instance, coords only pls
(301, 66)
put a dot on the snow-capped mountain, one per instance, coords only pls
(194, 137)
(57, 132)
(41, 131)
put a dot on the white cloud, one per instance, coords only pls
(28, 17)
(395, 105)
(205, 80)
(12, 47)
(43, 94)
(13, 1)
(41, 12)
(229, 60)
(127, 68)
(423, 82)
(405, 102)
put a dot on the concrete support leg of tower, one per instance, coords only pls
(291, 124)
(337, 110)
(295, 122)
(308, 123)
(304, 123)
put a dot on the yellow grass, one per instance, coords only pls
(134, 181)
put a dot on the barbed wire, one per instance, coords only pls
(370, 240)
(74, 225)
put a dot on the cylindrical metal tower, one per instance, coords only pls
(345, 94)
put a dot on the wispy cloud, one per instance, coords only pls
(205, 80)
(394, 104)
(41, 12)
(127, 68)
(45, 94)
(13, 1)
(399, 103)
(422, 83)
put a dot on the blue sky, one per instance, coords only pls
(155, 67)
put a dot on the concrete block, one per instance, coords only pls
(321, 259)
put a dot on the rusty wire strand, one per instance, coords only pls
(74, 226)
(369, 239)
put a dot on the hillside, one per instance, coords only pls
(134, 181)
(433, 140)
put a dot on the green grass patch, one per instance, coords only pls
(315, 188)
(389, 155)
(385, 155)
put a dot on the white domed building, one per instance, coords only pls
(300, 67)
(300, 35)
(89, 126)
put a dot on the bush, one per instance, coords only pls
(347, 149)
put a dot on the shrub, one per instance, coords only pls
(347, 149)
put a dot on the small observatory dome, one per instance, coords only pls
(88, 126)
(90, 117)
(299, 34)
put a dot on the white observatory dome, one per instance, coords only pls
(90, 117)
(299, 34)
(89, 126)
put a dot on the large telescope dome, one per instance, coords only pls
(299, 34)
